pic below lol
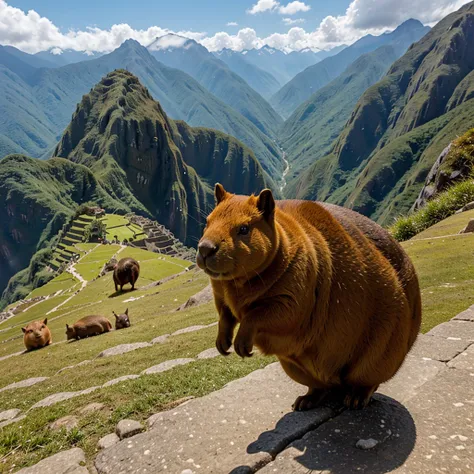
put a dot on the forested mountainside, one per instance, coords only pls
(401, 124)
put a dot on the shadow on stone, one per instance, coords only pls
(385, 428)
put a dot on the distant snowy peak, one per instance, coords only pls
(171, 42)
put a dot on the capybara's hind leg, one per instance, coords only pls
(317, 392)
(358, 398)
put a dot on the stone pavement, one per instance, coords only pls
(422, 421)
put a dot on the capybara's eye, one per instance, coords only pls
(42, 327)
(244, 230)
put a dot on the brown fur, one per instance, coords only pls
(122, 321)
(126, 271)
(88, 327)
(37, 335)
(326, 290)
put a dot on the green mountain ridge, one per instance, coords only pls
(311, 130)
(309, 81)
(123, 152)
(400, 125)
(214, 74)
(56, 92)
(261, 81)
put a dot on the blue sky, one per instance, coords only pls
(290, 25)
(196, 15)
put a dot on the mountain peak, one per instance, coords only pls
(171, 42)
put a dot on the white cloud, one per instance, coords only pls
(290, 21)
(31, 32)
(263, 6)
(232, 23)
(293, 8)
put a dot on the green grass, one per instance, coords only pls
(63, 282)
(446, 273)
(436, 210)
(137, 399)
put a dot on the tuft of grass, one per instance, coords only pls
(443, 206)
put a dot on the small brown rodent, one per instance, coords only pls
(37, 335)
(87, 327)
(326, 290)
(122, 321)
(126, 271)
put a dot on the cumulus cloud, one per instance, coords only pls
(31, 32)
(293, 8)
(232, 23)
(291, 21)
(263, 6)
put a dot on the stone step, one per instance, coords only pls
(242, 427)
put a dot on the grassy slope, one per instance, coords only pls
(445, 269)
(151, 316)
(446, 277)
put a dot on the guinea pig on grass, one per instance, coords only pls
(122, 321)
(126, 271)
(87, 327)
(37, 335)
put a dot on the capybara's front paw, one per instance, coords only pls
(243, 343)
(359, 397)
(223, 343)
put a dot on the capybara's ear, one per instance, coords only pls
(67, 326)
(23, 329)
(220, 193)
(266, 203)
(45, 322)
(126, 311)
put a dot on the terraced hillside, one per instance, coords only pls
(165, 356)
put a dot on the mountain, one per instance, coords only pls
(283, 67)
(30, 59)
(37, 199)
(51, 96)
(122, 152)
(313, 78)
(261, 81)
(61, 57)
(191, 57)
(400, 125)
(312, 128)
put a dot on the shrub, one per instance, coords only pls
(443, 206)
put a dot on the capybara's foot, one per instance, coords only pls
(358, 398)
(223, 343)
(313, 399)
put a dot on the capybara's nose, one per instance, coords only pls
(207, 248)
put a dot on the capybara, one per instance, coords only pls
(126, 271)
(326, 290)
(122, 321)
(87, 327)
(37, 335)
